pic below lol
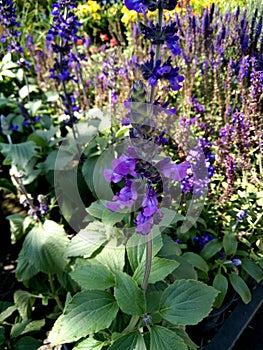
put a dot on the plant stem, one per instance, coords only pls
(52, 287)
(148, 263)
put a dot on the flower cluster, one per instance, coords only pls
(151, 5)
(141, 177)
(10, 26)
(62, 35)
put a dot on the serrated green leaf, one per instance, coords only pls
(90, 344)
(129, 296)
(43, 250)
(92, 276)
(240, 287)
(221, 284)
(24, 302)
(19, 154)
(187, 302)
(230, 243)
(89, 239)
(86, 313)
(159, 270)
(112, 256)
(197, 261)
(127, 342)
(211, 248)
(27, 343)
(252, 269)
(165, 339)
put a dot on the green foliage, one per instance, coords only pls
(86, 313)
(186, 302)
(164, 339)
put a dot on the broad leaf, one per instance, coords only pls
(90, 344)
(7, 312)
(19, 154)
(92, 276)
(187, 302)
(211, 248)
(24, 302)
(27, 343)
(252, 269)
(112, 256)
(129, 296)
(240, 287)
(130, 341)
(221, 284)
(89, 239)
(43, 250)
(86, 313)
(159, 270)
(196, 260)
(165, 339)
(230, 243)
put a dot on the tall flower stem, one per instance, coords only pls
(148, 263)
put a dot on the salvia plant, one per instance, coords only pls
(140, 218)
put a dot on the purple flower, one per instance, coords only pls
(121, 167)
(170, 170)
(144, 224)
(150, 204)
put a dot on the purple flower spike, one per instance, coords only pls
(121, 167)
(175, 171)
(144, 224)
(136, 5)
(150, 204)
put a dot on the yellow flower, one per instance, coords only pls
(90, 7)
(128, 16)
(96, 16)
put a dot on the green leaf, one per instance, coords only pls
(136, 248)
(96, 209)
(159, 270)
(86, 313)
(92, 276)
(230, 243)
(187, 302)
(8, 73)
(221, 284)
(19, 154)
(181, 332)
(2, 335)
(165, 339)
(43, 249)
(211, 248)
(88, 240)
(197, 261)
(27, 343)
(24, 302)
(112, 256)
(129, 341)
(184, 270)
(26, 90)
(16, 226)
(129, 296)
(7, 312)
(252, 269)
(170, 249)
(240, 287)
(7, 186)
(26, 326)
(90, 344)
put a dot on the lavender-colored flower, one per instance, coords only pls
(241, 215)
(10, 26)
(144, 224)
(122, 167)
